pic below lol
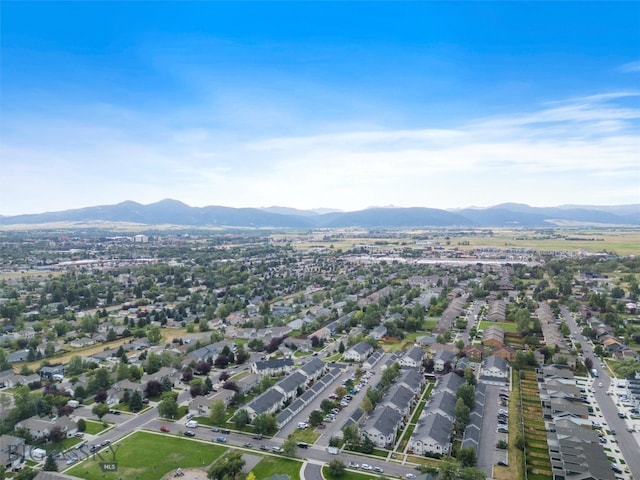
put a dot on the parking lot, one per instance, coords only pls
(333, 427)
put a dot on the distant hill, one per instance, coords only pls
(173, 212)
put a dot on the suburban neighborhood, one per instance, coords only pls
(423, 362)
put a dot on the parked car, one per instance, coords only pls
(215, 429)
(503, 464)
(354, 465)
(225, 431)
(221, 439)
(190, 433)
(365, 466)
(257, 437)
(164, 428)
(263, 447)
(247, 444)
(378, 469)
(303, 445)
(276, 449)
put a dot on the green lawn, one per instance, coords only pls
(333, 358)
(307, 436)
(506, 326)
(346, 475)
(93, 428)
(269, 466)
(147, 456)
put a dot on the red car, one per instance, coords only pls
(164, 429)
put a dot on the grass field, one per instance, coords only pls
(147, 456)
(506, 326)
(307, 436)
(93, 428)
(623, 241)
(269, 466)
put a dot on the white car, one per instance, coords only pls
(365, 466)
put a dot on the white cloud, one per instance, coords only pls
(573, 151)
(630, 67)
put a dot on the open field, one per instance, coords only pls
(620, 241)
(623, 241)
(147, 456)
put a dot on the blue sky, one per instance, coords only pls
(329, 104)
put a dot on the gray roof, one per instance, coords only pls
(291, 382)
(495, 361)
(274, 363)
(312, 366)
(361, 348)
(384, 419)
(443, 401)
(450, 382)
(415, 353)
(462, 363)
(265, 401)
(399, 397)
(435, 426)
(204, 352)
(411, 378)
(444, 355)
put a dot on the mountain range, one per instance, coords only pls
(174, 212)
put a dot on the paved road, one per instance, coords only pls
(472, 321)
(626, 441)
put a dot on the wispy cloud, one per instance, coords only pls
(630, 67)
(577, 150)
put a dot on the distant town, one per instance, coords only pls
(352, 353)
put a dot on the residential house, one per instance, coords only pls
(411, 379)
(473, 352)
(493, 336)
(441, 358)
(412, 358)
(272, 368)
(52, 372)
(506, 352)
(443, 403)
(432, 435)
(12, 452)
(497, 311)
(313, 369)
(382, 426)
(449, 383)
(400, 398)
(373, 359)
(37, 427)
(359, 352)
(269, 401)
(290, 384)
(18, 356)
(426, 340)
(494, 369)
(379, 332)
